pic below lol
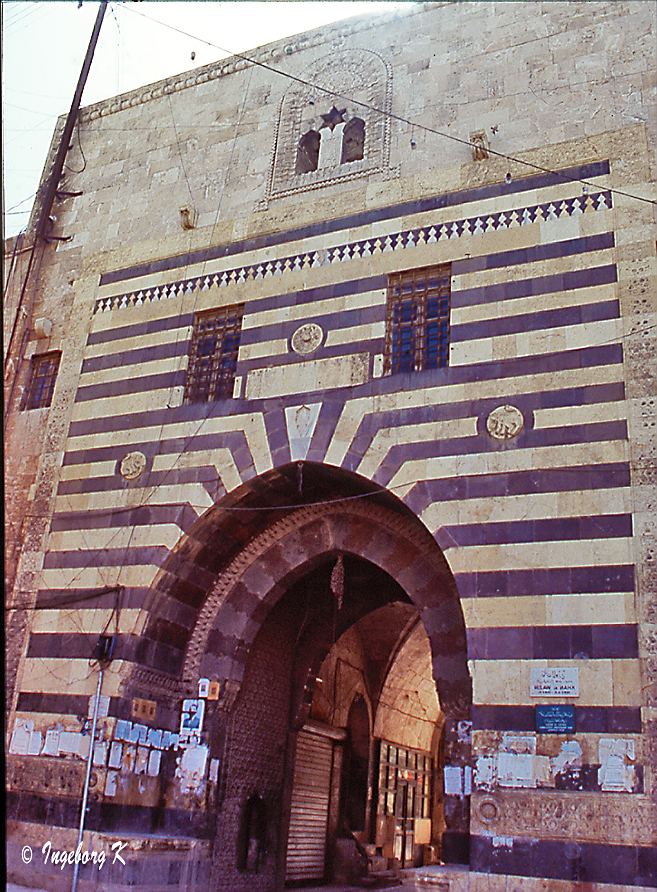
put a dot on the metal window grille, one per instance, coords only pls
(417, 336)
(400, 765)
(213, 354)
(43, 374)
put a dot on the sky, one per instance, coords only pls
(44, 44)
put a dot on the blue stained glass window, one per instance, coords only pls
(43, 374)
(213, 355)
(418, 319)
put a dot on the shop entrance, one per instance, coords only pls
(406, 802)
(368, 796)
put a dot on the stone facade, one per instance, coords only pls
(451, 563)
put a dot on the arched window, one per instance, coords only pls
(308, 152)
(353, 141)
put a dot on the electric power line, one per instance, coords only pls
(382, 112)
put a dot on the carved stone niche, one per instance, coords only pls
(323, 138)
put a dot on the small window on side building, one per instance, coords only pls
(213, 354)
(417, 330)
(43, 374)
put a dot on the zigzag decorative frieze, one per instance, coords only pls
(396, 241)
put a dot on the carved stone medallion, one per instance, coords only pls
(505, 422)
(132, 465)
(307, 338)
(488, 810)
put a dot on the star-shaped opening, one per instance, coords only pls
(333, 117)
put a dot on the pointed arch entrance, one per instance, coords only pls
(268, 623)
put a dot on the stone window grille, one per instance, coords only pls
(417, 329)
(43, 374)
(213, 354)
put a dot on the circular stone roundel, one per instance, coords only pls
(489, 810)
(132, 465)
(307, 338)
(505, 422)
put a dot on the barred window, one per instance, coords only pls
(417, 335)
(213, 354)
(43, 374)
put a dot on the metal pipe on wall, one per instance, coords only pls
(85, 794)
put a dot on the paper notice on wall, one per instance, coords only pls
(69, 742)
(36, 742)
(191, 768)
(85, 745)
(512, 743)
(485, 773)
(515, 770)
(116, 752)
(20, 739)
(129, 758)
(611, 746)
(191, 720)
(142, 760)
(615, 774)
(138, 734)
(453, 779)
(110, 783)
(122, 730)
(51, 746)
(542, 772)
(100, 753)
(214, 770)
(154, 737)
(154, 763)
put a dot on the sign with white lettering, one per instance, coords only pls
(555, 718)
(557, 682)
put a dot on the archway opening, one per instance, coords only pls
(258, 609)
(367, 782)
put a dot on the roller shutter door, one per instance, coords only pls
(306, 847)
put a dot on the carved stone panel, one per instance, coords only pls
(313, 111)
(132, 465)
(569, 816)
(505, 422)
(307, 339)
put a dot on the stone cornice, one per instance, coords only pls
(269, 54)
